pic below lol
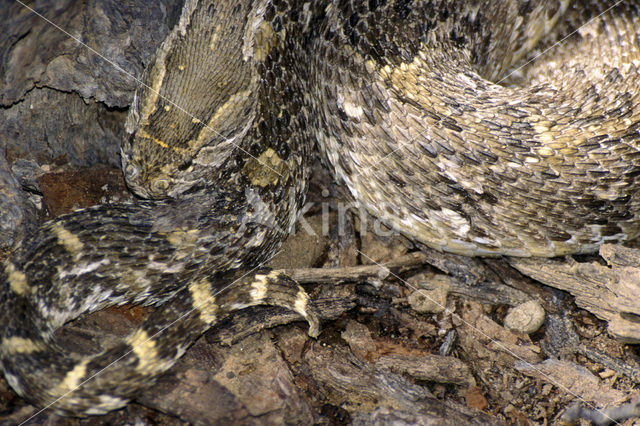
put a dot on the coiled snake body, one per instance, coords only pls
(399, 98)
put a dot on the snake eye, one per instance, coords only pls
(185, 164)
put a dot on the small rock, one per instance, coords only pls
(359, 339)
(525, 318)
(304, 249)
(430, 296)
(377, 248)
(474, 398)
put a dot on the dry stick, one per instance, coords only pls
(356, 273)
(491, 290)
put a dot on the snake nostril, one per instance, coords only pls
(160, 185)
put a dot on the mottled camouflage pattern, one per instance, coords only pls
(398, 97)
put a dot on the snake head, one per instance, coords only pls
(196, 105)
(154, 170)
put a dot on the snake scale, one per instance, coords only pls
(404, 102)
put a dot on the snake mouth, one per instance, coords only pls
(144, 185)
(151, 187)
(157, 185)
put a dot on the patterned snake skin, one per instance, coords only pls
(401, 98)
